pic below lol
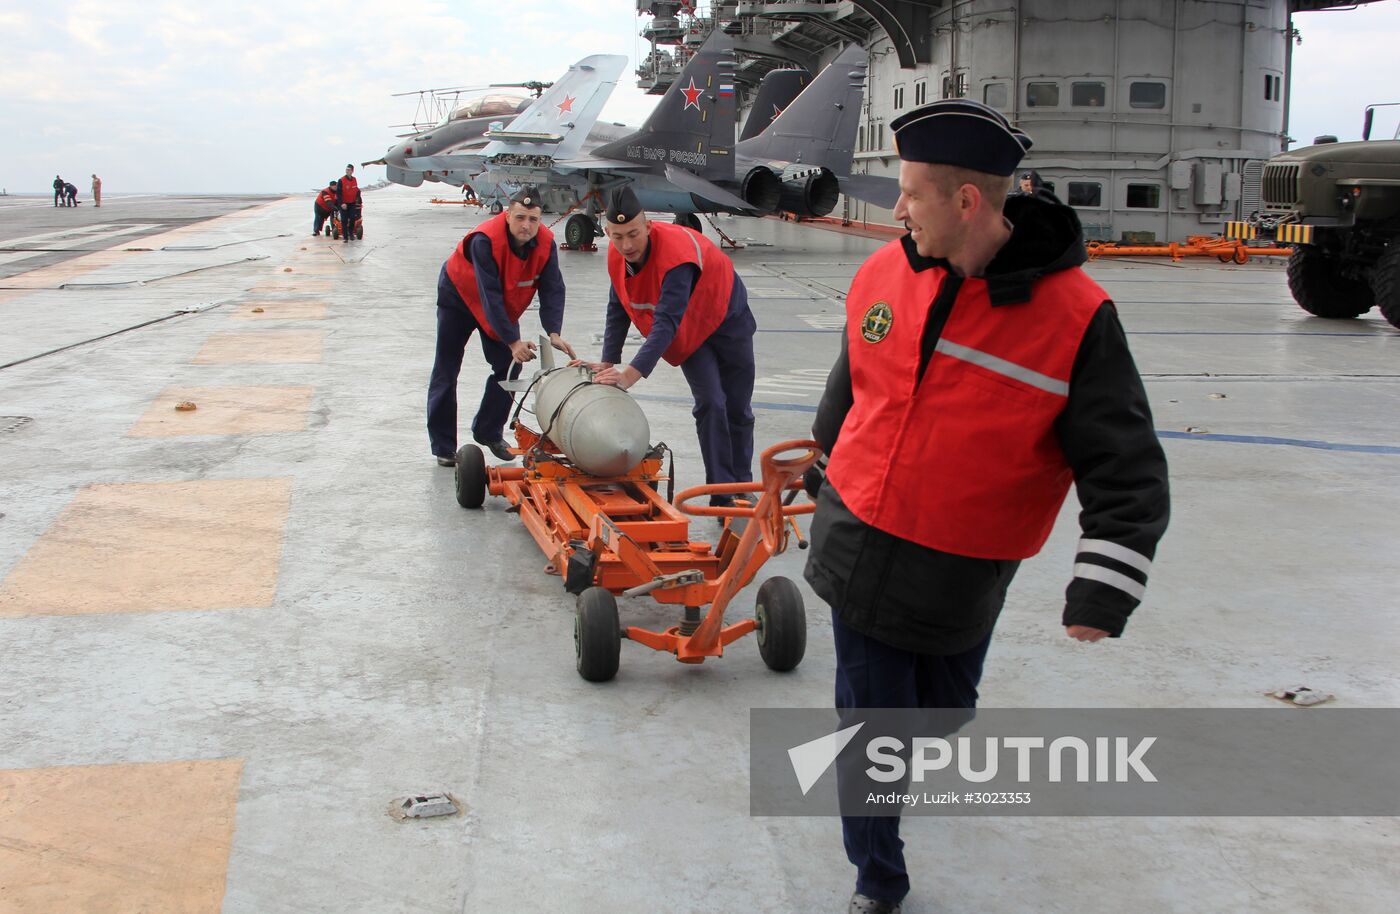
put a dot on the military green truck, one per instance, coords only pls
(1339, 204)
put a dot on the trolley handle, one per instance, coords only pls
(780, 474)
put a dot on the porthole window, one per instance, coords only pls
(1042, 95)
(1088, 94)
(1085, 193)
(1144, 196)
(1147, 95)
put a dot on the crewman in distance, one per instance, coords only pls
(681, 291)
(486, 285)
(324, 205)
(349, 200)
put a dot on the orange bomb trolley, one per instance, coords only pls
(617, 535)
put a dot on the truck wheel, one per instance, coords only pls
(471, 476)
(597, 635)
(1320, 288)
(782, 624)
(1385, 283)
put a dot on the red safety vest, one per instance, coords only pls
(671, 246)
(965, 460)
(519, 278)
(349, 190)
(326, 198)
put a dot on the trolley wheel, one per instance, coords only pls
(359, 232)
(597, 635)
(470, 476)
(782, 624)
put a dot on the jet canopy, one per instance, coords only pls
(490, 106)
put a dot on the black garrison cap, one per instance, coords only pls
(623, 206)
(959, 132)
(529, 195)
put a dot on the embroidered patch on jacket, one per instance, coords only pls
(876, 324)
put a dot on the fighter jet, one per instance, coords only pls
(683, 159)
(573, 102)
(460, 130)
(810, 144)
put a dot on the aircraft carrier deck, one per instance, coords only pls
(230, 638)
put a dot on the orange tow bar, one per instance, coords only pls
(618, 536)
(1225, 250)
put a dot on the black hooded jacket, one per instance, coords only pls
(935, 602)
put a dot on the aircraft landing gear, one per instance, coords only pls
(690, 221)
(497, 208)
(579, 233)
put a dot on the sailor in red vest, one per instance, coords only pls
(680, 290)
(486, 285)
(981, 374)
(348, 197)
(325, 205)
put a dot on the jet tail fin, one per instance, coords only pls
(693, 124)
(775, 92)
(819, 127)
(560, 119)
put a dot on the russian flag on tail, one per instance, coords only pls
(726, 89)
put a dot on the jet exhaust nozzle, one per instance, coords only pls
(812, 195)
(762, 190)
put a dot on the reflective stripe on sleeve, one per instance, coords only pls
(1112, 578)
(1117, 553)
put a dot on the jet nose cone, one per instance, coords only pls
(397, 155)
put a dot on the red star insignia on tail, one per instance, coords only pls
(566, 106)
(692, 95)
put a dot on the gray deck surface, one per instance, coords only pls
(412, 645)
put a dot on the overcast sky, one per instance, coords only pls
(269, 97)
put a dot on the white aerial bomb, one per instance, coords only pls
(597, 426)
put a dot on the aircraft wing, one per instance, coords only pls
(875, 189)
(447, 163)
(602, 165)
(692, 183)
(403, 176)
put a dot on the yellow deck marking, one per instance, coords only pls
(262, 346)
(117, 839)
(226, 411)
(279, 310)
(142, 547)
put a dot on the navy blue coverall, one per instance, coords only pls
(720, 372)
(455, 326)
